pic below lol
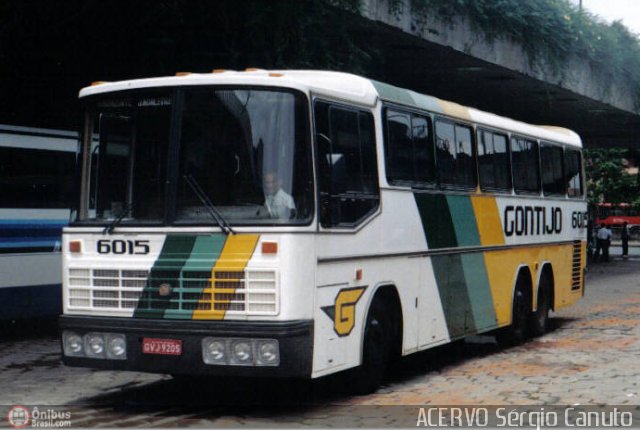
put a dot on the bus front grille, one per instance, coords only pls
(189, 293)
(105, 289)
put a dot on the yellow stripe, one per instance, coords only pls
(226, 276)
(488, 219)
(455, 110)
(502, 268)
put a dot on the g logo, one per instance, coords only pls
(343, 311)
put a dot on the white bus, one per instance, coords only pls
(302, 223)
(37, 190)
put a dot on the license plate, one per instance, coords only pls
(161, 346)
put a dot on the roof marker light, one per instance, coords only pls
(183, 73)
(218, 71)
(95, 83)
(276, 75)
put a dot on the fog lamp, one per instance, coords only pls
(214, 351)
(94, 345)
(268, 353)
(241, 352)
(72, 344)
(116, 346)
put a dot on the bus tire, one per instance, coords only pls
(376, 350)
(539, 319)
(516, 332)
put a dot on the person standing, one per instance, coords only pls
(603, 241)
(624, 235)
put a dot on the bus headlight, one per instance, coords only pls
(268, 353)
(116, 346)
(72, 344)
(241, 352)
(214, 351)
(94, 345)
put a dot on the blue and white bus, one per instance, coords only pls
(37, 172)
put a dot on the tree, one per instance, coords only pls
(607, 179)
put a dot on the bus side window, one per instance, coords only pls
(524, 159)
(348, 175)
(493, 162)
(573, 173)
(423, 149)
(409, 149)
(553, 183)
(454, 155)
(399, 147)
(35, 178)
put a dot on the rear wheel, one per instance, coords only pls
(376, 350)
(516, 333)
(539, 319)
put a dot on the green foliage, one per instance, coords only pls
(548, 30)
(607, 180)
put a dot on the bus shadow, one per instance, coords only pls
(211, 397)
(461, 351)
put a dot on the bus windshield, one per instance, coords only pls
(247, 150)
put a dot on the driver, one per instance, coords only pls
(277, 201)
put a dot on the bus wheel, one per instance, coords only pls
(539, 318)
(516, 333)
(376, 350)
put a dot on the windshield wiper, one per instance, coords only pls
(215, 214)
(121, 215)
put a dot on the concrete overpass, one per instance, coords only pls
(454, 62)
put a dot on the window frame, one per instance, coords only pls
(536, 141)
(176, 93)
(359, 110)
(495, 190)
(48, 185)
(387, 147)
(580, 153)
(546, 143)
(456, 123)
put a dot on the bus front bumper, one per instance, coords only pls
(178, 346)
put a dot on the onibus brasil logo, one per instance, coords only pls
(18, 417)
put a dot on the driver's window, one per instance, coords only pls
(348, 174)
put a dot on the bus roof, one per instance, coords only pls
(346, 87)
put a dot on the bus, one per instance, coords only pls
(37, 190)
(616, 214)
(302, 223)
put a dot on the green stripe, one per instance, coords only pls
(175, 252)
(462, 280)
(454, 294)
(479, 291)
(394, 94)
(406, 97)
(464, 220)
(436, 220)
(206, 251)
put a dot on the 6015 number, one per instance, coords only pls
(120, 247)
